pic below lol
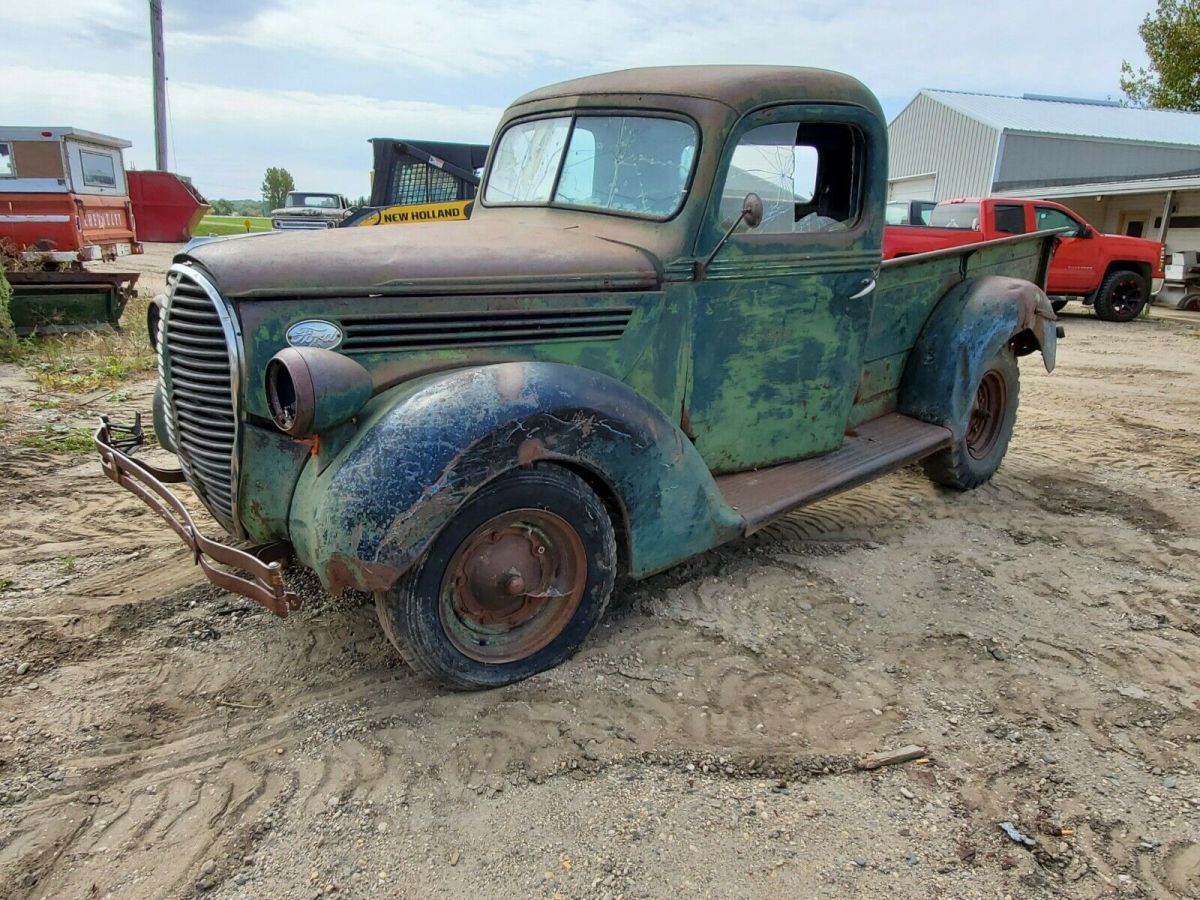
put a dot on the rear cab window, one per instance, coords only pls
(7, 170)
(955, 215)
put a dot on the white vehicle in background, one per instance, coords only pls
(306, 209)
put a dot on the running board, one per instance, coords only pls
(870, 450)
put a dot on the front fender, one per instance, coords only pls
(962, 334)
(424, 447)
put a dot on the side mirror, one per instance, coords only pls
(752, 210)
(751, 214)
(1085, 231)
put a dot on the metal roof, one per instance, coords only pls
(1075, 118)
(58, 132)
(739, 87)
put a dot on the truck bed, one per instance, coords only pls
(907, 240)
(910, 287)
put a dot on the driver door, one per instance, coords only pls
(781, 316)
(1073, 269)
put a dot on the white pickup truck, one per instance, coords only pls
(305, 210)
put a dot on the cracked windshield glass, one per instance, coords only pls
(627, 164)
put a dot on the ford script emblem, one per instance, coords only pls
(314, 333)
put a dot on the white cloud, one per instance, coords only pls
(228, 136)
(896, 45)
(236, 106)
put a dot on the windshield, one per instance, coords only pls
(627, 164)
(955, 215)
(313, 201)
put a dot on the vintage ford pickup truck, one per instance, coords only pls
(666, 325)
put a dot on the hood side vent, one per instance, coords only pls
(380, 334)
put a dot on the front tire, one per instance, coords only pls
(511, 587)
(1121, 297)
(975, 455)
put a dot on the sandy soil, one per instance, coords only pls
(1041, 636)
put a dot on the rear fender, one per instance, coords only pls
(424, 448)
(966, 329)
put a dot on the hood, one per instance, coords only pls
(448, 257)
(1138, 248)
(309, 211)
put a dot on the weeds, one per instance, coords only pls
(68, 565)
(73, 440)
(88, 361)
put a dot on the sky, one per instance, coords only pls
(304, 84)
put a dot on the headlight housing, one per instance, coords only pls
(311, 390)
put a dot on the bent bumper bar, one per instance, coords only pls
(264, 564)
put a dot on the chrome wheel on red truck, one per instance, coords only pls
(512, 586)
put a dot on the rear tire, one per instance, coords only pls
(975, 455)
(1057, 305)
(1121, 297)
(511, 586)
(1191, 303)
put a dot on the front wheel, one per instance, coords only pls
(1121, 297)
(975, 455)
(511, 587)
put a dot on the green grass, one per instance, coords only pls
(84, 362)
(210, 225)
(75, 440)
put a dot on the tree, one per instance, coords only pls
(222, 208)
(276, 184)
(1172, 39)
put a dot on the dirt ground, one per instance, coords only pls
(1040, 636)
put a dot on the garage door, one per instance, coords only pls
(919, 187)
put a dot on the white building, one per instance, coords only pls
(1127, 171)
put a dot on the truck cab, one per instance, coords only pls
(665, 324)
(305, 210)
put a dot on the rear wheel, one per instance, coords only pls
(1121, 297)
(975, 456)
(1190, 302)
(1058, 304)
(511, 587)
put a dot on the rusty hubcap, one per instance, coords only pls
(513, 585)
(987, 415)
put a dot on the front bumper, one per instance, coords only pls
(263, 564)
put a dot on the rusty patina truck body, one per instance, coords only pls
(666, 324)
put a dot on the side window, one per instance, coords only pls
(98, 169)
(1048, 219)
(1009, 219)
(807, 174)
(6, 161)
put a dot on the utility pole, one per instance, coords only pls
(160, 85)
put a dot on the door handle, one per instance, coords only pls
(868, 286)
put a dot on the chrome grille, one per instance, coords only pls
(200, 368)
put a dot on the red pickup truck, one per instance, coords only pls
(1115, 274)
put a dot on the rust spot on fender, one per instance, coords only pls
(530, 451)
(344, 573)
